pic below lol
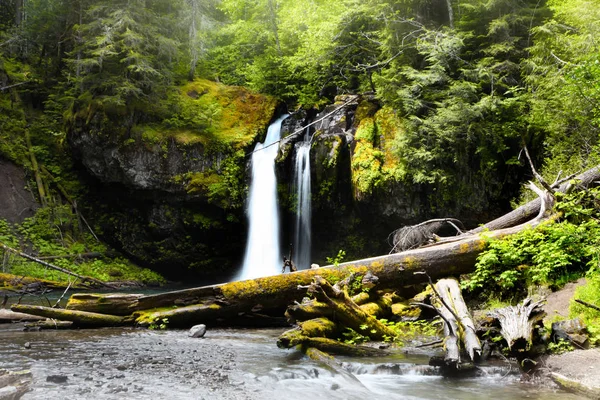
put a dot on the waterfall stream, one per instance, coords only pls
(302, 233)
(263, 257)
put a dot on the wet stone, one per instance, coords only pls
(57, 378)
(197, 331)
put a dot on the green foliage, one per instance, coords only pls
(159, 324)
(589, 293)
(55, 231)
(560, 347)
(335, 261)
(551, 254)
(352, 337)
(562, 77)
(409, 330)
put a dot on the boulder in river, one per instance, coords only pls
(197, 331)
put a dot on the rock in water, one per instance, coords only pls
(197, 331)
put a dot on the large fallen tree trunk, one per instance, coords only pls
(199, 305)
(270, 295)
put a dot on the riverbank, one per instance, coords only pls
(577, 371)
(231, 364)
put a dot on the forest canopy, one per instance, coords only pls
(468, 77)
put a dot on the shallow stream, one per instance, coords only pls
(229, 364)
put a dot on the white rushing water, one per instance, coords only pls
(263, 256)
(302, 236)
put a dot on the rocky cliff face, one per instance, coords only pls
(175, 200)
(171, 194)
(361, 189)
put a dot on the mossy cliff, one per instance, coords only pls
(169, 184)
(364, 185)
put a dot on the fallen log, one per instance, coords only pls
(11, 316)
(307, 310)
(528, 211)
(109, 303)
(332, 346)
(273, 293)
(79, 318)
(48, 324)
(317, 327)
(458, 324)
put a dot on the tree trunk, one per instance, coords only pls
(531, 209)
(517, 323)
(111, 303)
(272, 294)
(458, 324)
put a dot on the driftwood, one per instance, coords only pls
(332, 365)
(517, 324)
(458, 324)
(412, 236)
(11, 316)
(79, 318)
(331, 346)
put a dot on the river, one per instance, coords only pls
(229, 364)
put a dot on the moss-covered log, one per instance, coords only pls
(348, 313)
(109, 303)
(272, 294)
(394, 272)
(79, 318)
(331, 346)
(307, 310)
(317, 327)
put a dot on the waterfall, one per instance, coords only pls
(302, 234)
(263, 257)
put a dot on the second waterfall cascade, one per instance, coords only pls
(302, 232)
(263, 255)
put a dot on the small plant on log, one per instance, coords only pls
(335, 261)
(159, 324)
(353, 337)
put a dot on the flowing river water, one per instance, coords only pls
(118, 363)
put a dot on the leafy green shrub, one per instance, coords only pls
(589, 293)
(551, 254)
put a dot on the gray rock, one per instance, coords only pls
(57, 378)
(197, 331)
(573, 330)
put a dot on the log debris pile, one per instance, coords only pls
(330, 312)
